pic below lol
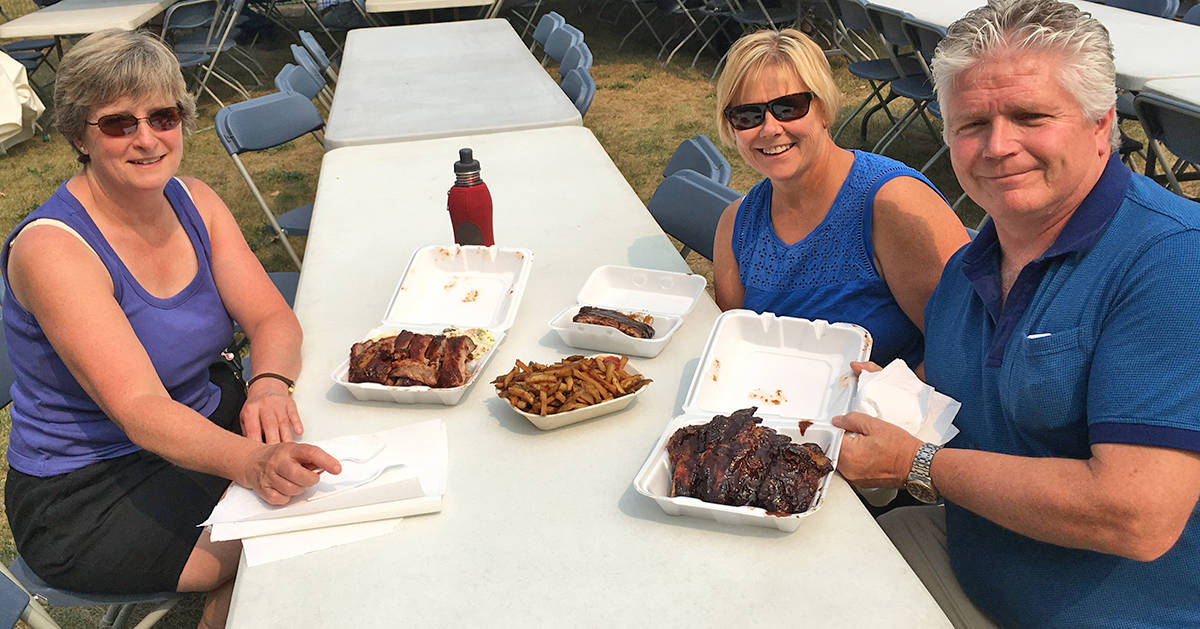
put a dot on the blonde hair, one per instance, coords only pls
(112, 64)
(788, 49)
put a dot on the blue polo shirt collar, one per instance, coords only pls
(981, 260)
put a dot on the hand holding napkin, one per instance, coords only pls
(896, 395)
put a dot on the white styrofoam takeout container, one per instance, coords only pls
(792, 370)
(448, 285)
(665, 295)
(558, 420)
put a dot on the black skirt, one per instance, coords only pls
(120, 526)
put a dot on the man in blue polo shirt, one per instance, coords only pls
(1068, 330)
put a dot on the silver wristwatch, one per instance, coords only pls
(919, 483)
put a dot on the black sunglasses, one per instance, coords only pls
(120, 125)
(784, 108)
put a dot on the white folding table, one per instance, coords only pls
(385, 6)
(439, 80)
(541, 529)
(76, 17)
(1145, 47)
(1186, 90)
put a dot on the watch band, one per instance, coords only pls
(923, 459)
(291, 385)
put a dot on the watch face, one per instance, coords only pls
(921, 491)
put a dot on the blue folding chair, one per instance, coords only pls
(580, 87)
(917, 88)
(318, 54)
(118, 606)
(561, 40)
(293, 78)
(1160, 8)
(1192, 16)
(549, 23)
(878, 73)
(698, 153)
(577, 57)
(261, 123)
(306, 61)
(688, 206)
(1174, 124)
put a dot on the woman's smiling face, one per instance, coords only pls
(143, 160)
(780, 150)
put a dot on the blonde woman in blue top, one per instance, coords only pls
(829, 233)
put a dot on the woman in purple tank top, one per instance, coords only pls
(829, 233)
(121, 290)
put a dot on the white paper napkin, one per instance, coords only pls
(896, 395)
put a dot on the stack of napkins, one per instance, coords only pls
(896, 395)
(385, 475)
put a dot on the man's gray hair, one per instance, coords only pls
(1087, 69)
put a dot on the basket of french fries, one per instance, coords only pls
(571, 390)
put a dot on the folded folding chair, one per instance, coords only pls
(577, 57)
(1176, 125)
(38, 593)
(580, 87)
(560, 41)
(546, 26)
(688, 206)
(318, 54)
(698, 153)
(261, 123)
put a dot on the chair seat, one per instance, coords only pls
(779, 16)
(198, 42)
(295, 222)
(934, 108)
(914, 87)
(66, 598)
(883, 70)
(287, 282)
(191, 59)
(28, 44)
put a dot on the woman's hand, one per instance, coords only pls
(874, 453)
(278, 472)
(269, 413)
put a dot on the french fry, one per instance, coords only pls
(570, 384)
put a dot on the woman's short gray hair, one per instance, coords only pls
(109, 65)
(1087, 69)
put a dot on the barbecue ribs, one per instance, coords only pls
(736, 461)
(409, 358)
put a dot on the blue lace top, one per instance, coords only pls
(830, 274)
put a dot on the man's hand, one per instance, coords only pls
(874, 453)
(278, 472)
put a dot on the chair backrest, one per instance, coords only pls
(549, 23)
(266, 121)
(561, 41)
(698, 153)
(924, 36)
(293, 78)
(1192, 16)
(688, 206)
(887, 22)
(578, 57)
(306, 61)
(580, 87)
(853, 15)
(188, 15)
(1160, 8)
(1175, 124)
(318, 53)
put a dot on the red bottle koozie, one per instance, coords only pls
(470, 209)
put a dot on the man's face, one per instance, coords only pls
(1020, 145)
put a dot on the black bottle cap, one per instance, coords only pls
(466, 163)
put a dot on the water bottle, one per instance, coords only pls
(470, 203)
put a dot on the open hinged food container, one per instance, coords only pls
(448, 286)
(792, 370)
(558, 420)
(664, 295)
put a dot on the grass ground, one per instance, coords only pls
(642, 110)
